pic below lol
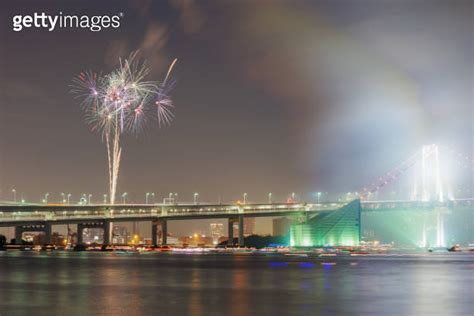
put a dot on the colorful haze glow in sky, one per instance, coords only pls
(272, 96)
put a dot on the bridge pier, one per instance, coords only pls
(80, 233)
(47, 233)
(154, 232)
(18, 235)
(45, 228)
(230, 230)
(105, 225)
(164, 232)
(241, 231)
(107, 231)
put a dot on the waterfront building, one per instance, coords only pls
(217, 231)
(336, 228)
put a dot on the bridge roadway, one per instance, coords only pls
(64, 214)
(40, 217)
(13, 214)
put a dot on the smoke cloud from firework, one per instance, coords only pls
(123, 101)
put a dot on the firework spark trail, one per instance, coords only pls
(163, 101)
(121, 102)
(169, 70)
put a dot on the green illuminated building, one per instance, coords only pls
(334, 228)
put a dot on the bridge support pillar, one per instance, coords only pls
(47, 233)
(154, 231)
(164, 232)
(230, 232)
(18, 235)
(80, 233)
(241, 231)
(106, 240)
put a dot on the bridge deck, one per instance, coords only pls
(63, 214)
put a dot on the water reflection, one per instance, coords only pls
(240, 293)
(98, 283)
(195, 304)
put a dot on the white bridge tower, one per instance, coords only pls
(429, 186)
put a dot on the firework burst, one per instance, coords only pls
(123, 102)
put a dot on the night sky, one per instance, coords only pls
(281, 97)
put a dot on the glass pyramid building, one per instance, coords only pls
(334, 228)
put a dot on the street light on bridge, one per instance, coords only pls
(318, 194)
(89, 198)
(69, 198)
(124, 197)
(45, 200)
(149, 194)
(270, 198)
(172, 198)
(83, 199)
(196, 195)
(245, 198)
(63, 197)
(14, 195)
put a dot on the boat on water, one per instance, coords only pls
(438, 249)
(455, 248)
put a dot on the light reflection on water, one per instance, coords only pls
(214, 284)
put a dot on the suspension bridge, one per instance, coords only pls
(431, 214)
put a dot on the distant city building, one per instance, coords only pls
(249, 226)
(93, 235)
(195, 240)
(235, 228)
(29, 237)
(135, 228)
(58, 239)
(38, 239)
(281, 226)
(217, 231)
(172, 241)
(120, 235)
